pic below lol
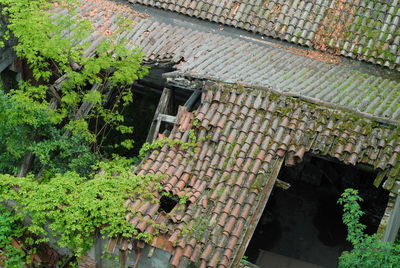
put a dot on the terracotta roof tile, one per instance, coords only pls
(222, 219)
(215, 259)
(177, 256)
(220, 181)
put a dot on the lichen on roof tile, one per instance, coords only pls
(225, 178)
(363, 29)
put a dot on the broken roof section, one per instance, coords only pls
(200, 50)
(243, 136)
(368, 30)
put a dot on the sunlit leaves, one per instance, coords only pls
(64, 191)
(74, 207)
(51, 43)
(369, 251)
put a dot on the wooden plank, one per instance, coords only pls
(167, 118)
(392, 228)
(161, 109)
(192, 99)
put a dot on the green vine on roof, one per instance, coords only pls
(73, 208)
(66, 189)
(192, 143)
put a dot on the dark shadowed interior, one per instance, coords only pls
(139, 114)
(304, 222)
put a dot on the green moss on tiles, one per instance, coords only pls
(273, 96)
(231, 146)
(256, 152)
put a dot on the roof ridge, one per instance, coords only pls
(255, 90)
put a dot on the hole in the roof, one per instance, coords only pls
(139, 114)
(168, 202)
(302, 224)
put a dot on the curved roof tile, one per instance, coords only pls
(363, 29)
(228, 173)
(213, 54)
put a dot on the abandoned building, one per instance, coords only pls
(296, 102)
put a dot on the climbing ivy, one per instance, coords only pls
(73, 208)
(53, 174)
(192, 143)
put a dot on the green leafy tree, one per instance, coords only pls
(368, 250)
(65, 109)
(54, 175)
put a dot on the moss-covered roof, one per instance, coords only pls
(244, 135)
(199, 51)
(368, 30)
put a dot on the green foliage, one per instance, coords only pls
(70, 192)
(49, 121)
(192, 143)
(244, 261)
(73, 207)
(352, 214)
(13, 257)
(369, 251)
(28, 125)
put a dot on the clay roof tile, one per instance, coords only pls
(219, 179)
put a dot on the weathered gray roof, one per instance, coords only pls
(201, 52)
(368, 30)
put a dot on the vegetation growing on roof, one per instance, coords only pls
(54, 173)
(192, 143)
(72, 208)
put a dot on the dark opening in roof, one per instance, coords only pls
(168, 202)
(304, 223)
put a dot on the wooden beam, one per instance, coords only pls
(255, 218)
(167, 118)
(192, 99)
(162, 108)
(392, 228)
(26, 164)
